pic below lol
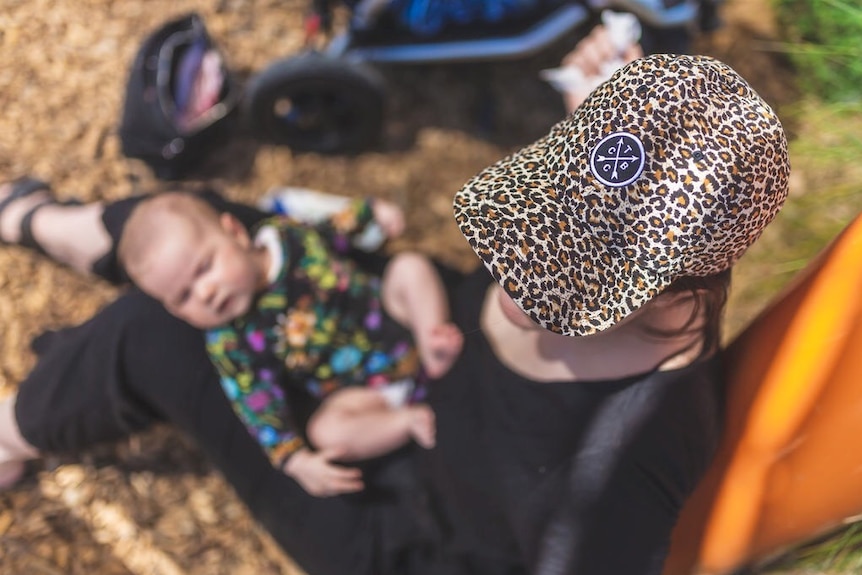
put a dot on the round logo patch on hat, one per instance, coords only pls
(618, 159)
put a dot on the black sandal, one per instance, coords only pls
(21, 188)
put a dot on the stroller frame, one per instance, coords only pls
(331, 100)
(558, 23)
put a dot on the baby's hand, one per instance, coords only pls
(389, 217)
(316, 473)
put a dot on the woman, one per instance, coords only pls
(586, 403)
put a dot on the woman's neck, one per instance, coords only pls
(626, 350)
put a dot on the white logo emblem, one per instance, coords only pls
(618, 159)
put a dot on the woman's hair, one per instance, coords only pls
(709, 297)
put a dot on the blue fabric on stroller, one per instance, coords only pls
(427, 18)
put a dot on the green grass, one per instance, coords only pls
(839, 553)
(822, 39)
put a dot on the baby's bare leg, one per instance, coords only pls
(414, 295)
(14, 449)
(360, 423)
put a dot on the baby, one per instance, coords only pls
(287, 312)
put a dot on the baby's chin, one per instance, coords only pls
(237, 307)
(214, 321)
(234, 308)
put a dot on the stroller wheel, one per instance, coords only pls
(312, 103)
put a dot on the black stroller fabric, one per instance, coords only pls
(149, 130)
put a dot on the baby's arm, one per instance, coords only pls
(255, 397)
(389, 216)
(261, 406)
(366, 221)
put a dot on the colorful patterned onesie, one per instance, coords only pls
(319, 326)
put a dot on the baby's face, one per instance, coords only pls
(206, 279)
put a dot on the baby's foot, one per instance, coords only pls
(10, 473)
(422, 426)
(440, 348)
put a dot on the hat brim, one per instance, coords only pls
(565, 279)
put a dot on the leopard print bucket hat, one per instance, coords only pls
(671, 168)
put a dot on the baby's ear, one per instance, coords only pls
(234, 228)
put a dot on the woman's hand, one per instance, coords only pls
(319, 476)
(389, 217)
(592, 56)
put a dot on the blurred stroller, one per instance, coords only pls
(332, 100)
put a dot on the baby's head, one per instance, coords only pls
(198, 263)
(664, 176)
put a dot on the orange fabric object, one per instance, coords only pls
(788, 468)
